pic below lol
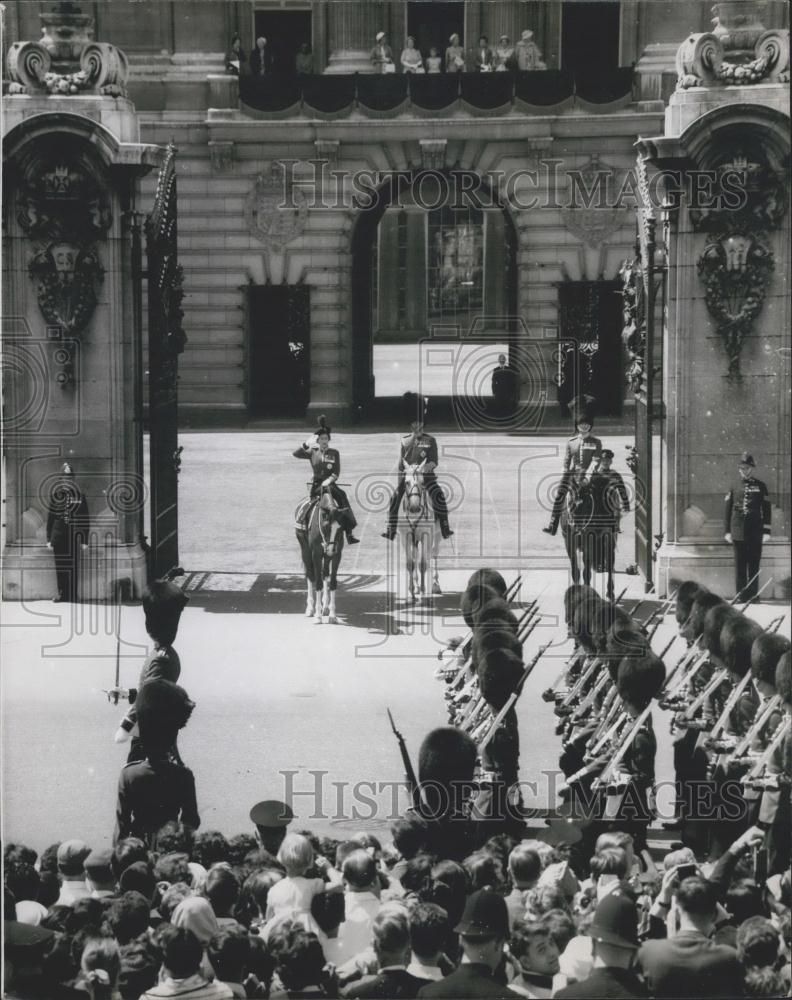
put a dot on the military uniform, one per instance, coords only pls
(414, 449)
(609, 500)
(747, 520)
(324, 465)
(153, 792)
(68, 524)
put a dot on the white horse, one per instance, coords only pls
(419, 532)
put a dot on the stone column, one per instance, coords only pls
(353, 25)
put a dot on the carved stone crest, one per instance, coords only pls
(593, 213)
(67, 274)
(275, 210)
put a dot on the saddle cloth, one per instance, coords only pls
(302, 512)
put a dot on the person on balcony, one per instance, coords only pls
(382, 55)
(235, 59)
(504, 55)
(411, 58)
(303, 61)
(434, 63)
(484, 60)
(454, 56)
(527, 53)
(260, 59)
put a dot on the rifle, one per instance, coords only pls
(754, 779)
(618, 757)
(409, 771)
(510, 701)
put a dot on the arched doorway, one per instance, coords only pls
(433, 284)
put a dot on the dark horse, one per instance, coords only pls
(321, 545)
(588, 534)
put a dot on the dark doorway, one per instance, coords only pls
(278, 372)
(432, 24)
(285, 32)
(590, 347)
(590, 37)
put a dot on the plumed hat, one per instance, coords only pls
(582, 408)
(415, 407)
(685, 595)
(737, 636)
(490, 577)
(163, 603)
(498, 674)
(783, 678)
(767, 650)
(322, 426)
(473, 600)
(446, 755)
(640, 678)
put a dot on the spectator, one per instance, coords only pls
(209, 847)
(140, 965)
(290, 898)
(434, 63)
(140, 878)
(614, 934)
(71, 855)
(299, 960)
(361, 904)
(196, 915)
(235, 58)
(260, 59)
(391, 938)
(256, 888)
(524, 870)
(533, 946)
(172, 868)
(328, 910)
(171, 898)
(759, 948)
(484, 59)
(483, 931)
(671, 965)
(126, 852)
(429, 928)
(222, 891)
(100, 966)
(128, 916)
(176, 838)
(303, 61)
(181, 975)
(23, 882)
(48, 862)
(454, 56)
(99, 877)
(229, 955)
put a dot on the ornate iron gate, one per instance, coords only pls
(166, 340)
(639, 293)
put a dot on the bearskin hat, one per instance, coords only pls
(640, 678)
(475, 599)
(736, 638)
(494, 638)
(702, 603)
(624, 639)
(783, 679)
(767, 650)
(496, 610)
(714, 620)
(574, 595)
(591, 620)
(685, 595)
(446, 755)
(498, 673)
(488, 577)
(163, 603)
(414, 407)
(163, 708)
(582, 408)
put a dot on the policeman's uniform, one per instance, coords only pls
(325, 465)
(68, 524)
(747, 519)
(271, 819)
(609, 501)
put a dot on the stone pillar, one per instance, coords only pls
(71, 331)
(353, 26)
(331, 338)
(726, 385)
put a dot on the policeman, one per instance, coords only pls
(271, 818)
(504, 387)
(326, 465)
(68, 524)
(747, 525)
(414, 448)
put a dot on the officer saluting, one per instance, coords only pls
(68, 524)
(326, 468)
(747, 525)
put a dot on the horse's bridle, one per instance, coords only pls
(418, 487)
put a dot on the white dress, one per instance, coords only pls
(290, 899)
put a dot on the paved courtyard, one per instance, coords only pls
(284, 704)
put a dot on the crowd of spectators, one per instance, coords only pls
(209, 917)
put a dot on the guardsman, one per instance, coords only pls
(609, 501)
(583, 452)
(774, 806)
(414, 448)
(68, 524)
(271, 819)
(747, 525)
(326, 466)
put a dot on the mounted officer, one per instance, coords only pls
(68, 524)
(414, 448)
(326, 466)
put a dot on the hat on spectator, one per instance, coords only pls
(615, 921)
(606, 453)
(71, 856)
(485, 915)
(526, 34)
(67, 470)
(560, 876)
(560, 831)
(379, 36)
(98, 865)
(746, 459)
(271, 813)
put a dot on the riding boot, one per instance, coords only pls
(445, 531)
(393, 511)
(347, 522)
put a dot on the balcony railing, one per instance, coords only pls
(391, 94)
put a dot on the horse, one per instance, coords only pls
(419, 533)
(321, 545)
(588, 535)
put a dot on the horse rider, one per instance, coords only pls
(415, 448)
(582, 450)
(326, 467)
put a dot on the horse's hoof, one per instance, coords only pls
(436, 588)
(318, 619)
(332, 620)
(309, 612)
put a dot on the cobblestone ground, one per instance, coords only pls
(282, 703)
